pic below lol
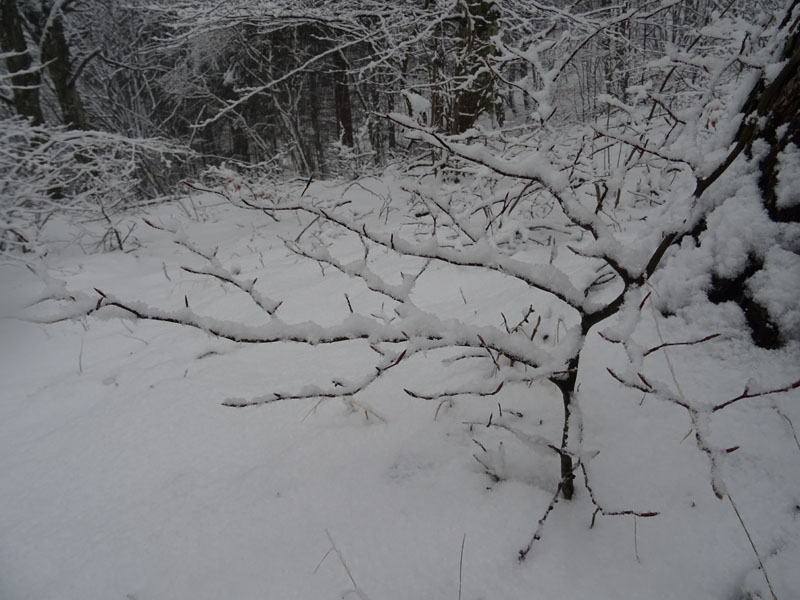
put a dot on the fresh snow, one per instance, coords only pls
(122, 475)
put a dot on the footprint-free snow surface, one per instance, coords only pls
(124, 475)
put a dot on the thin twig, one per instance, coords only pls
(356, 587)
(791, 426)
(537, 535)
(752, 545)
(603, 511)
(461, 565)
(449, 394)
(748, 394)
(668, 344)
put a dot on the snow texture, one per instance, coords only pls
(122, 475)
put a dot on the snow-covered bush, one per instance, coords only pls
(45, 171)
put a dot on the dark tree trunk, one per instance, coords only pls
(567, 386)
(240, 144)
(479, 24)
(344, 113)
(783, 106)
(55, 52)
(778, 106)
(25, 82)
(437, 101)
(316, 127)
(376, 131)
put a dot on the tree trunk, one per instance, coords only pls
(316, 126)
(777, 105)
(567, 386)
(55, 52)
(24, 81)
(341, 91)
(479, 24)
(240, 144)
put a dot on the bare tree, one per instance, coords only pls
(673, 151)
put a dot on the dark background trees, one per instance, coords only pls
(305, 86)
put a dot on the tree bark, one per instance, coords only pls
(55, 53)
(344, 112)
(25, 81)
(316, 126)
(567, 386)
(778, 106)
(479, 24)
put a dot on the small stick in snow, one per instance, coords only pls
(80, 357)
(461, 564)
(308, 183)
(489, 352)
(791, 426)
(753, 545)
(359, 592)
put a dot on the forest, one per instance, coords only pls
(422, 298)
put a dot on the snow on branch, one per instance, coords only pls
(541, 276)
(51, 170)
(215, 269)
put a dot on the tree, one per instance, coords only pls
(356, 60)
(475, 92)
(24, 77)
(681, 153)
(56, 56)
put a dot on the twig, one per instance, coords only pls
(308, 184)
(603, 511)
(752, 545)
(199, 189)
(748, 394)
(306, 228)
(668, 344)
(489, 352)
(356, 587)
(537, 535)
(268, 305)
(461, 565)
(344, 391)
(791, 426)
(449, 394)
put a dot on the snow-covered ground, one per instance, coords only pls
(122, 475)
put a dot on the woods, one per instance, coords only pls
(625, 174)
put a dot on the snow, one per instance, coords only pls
(787, 189)
(777, 288)
(122, 475)
(419, 105)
